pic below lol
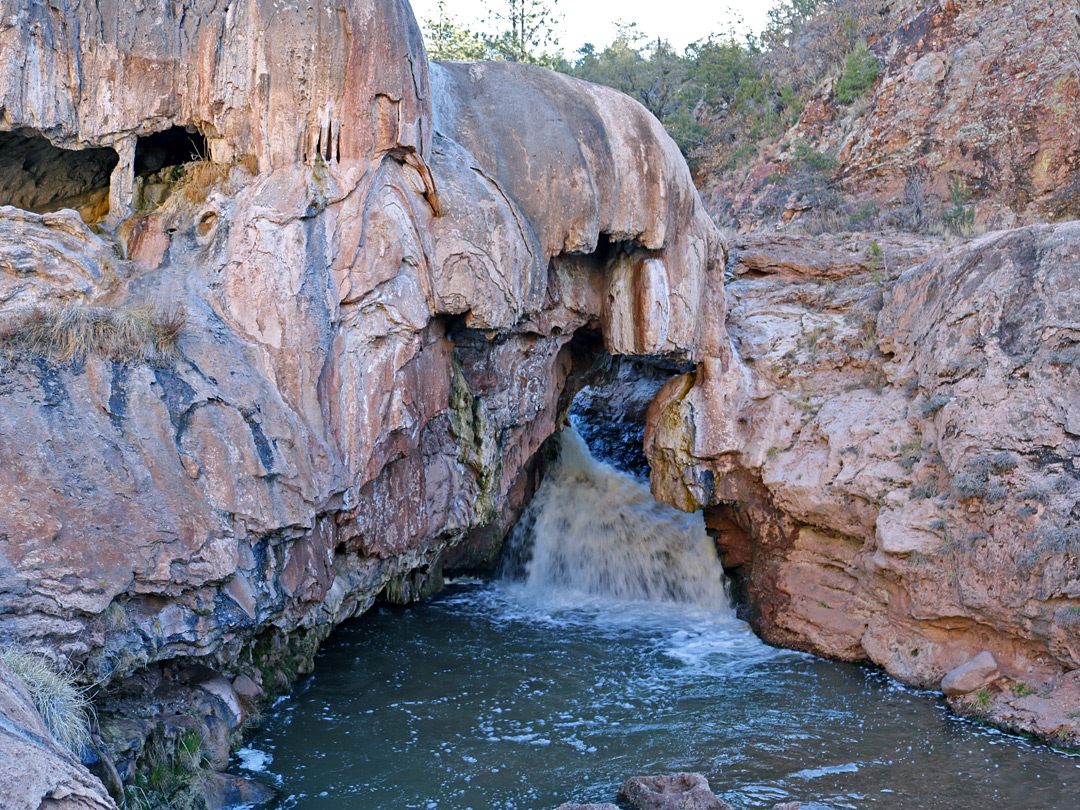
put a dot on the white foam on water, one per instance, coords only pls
(600, 551)
(815, 773)
(252, 759)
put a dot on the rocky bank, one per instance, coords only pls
(386, 280)
(900, 485)
(982, 96)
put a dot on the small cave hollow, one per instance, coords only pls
(172, 147)
(37, 176)
(610, 409)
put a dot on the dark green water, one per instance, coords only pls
(520, 696)
(486, 698)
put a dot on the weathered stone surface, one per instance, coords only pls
(902, 486)
(986, 93)
(604, 806)
(35, 772)
(966, 92)
(678, 791)
(975, 673)
(162, 64)
(1049, 712)
(55, 260)
(392, 289)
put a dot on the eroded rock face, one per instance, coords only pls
(969, 93)
(983, 94)
(902, 487)
(35, 772)
(391, 292)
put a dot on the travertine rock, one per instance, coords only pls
(35, 772)
(902, 487)
(392, 290)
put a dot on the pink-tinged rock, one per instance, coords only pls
(963, 92)
(247, 689)
(899, 480)
(35, 772)
(975, 673)
(679, 791)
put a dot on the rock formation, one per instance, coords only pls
(901, 485)
(393, 277)
(983, 94)
(34, 770)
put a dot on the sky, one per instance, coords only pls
(678, 21)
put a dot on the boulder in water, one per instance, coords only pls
(677, 791)
(604, 806)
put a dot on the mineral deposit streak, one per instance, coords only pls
(609, 649)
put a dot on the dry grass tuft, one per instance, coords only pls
(72, 332)
(62, 705)
(200, 177)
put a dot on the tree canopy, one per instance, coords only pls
(720, 96)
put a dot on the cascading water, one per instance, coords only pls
(608, 651)
(598, 531)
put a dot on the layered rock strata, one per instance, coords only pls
(901, 486)
(393, 276)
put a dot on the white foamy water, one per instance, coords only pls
(594, 531)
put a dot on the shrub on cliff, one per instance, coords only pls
(59, 701)
(72, 332)
(861, 70)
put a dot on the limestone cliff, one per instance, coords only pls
(392, 276)
(902, 484)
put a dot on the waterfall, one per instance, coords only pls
(595, 530)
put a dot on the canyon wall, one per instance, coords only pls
(393, 277)
(981, 97)
(903, 485)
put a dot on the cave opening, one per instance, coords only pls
(37, 176)
(171, 147)
(610, 411)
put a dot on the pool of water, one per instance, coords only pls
(609, 649)
(488, 696)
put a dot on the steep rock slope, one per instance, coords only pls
(903, 485)
(984, 95)
(391, 287)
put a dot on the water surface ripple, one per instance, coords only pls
(491, 697)
(614, 654)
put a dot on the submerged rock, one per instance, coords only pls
(679, 791)
(224, 790)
